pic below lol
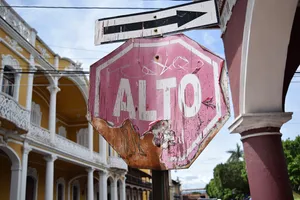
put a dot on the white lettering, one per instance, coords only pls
(194, 109)
(128, 106)
(166, 85)
(143, 114)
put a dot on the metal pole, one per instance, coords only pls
(160, 180)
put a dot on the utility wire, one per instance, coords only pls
(79, 7)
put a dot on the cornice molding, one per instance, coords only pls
(251, 121)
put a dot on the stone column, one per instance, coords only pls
(103, 185)
(49, 177)
(30, 83)
(123, 189)
(90, 183)
(102, 149)
(114, 186)
(15, 182)
(91, 134)
(265, 161)
(26, 150)
(52, 112)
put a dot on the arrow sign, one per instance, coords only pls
(199, 14)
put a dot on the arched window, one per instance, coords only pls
(75, 191)
(31, 184)
(82, 137)
(60, 189)
(11, 78)
(36, 114)
(62, 131)
(8, 80)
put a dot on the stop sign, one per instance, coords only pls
(159, 101)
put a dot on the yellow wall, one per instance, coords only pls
(51, 56)
(24, 65)
(3, 35)
(63, 64)
(44, 108)
(18, 148)
(5, 173)
(96, 141)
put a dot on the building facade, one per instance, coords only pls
(48, 150)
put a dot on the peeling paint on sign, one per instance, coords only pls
(158, 102)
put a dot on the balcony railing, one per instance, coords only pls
(117, 163)
(42, 136)
(11, 111)
(137, 181)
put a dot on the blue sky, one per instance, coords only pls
(64, 30)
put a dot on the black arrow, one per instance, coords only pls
(181, 18)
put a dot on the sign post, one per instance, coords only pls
(198, 14)
(159, 102)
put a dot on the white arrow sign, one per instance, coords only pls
(197, 14)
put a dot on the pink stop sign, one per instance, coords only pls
(169, 87)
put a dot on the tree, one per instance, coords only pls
(228, 182)
(236, 154)
(292, 154)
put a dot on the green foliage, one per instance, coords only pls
(292, 153)
(236, 154)
(228, 182)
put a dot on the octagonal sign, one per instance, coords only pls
(158, 102)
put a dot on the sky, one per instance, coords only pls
(67, 31)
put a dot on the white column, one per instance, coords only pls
(1, 77)
(15, 182)
(123, 189)
(102, 148)
(26, 150)
(52, 113)
(49, 177)
(114, 185)
(30, 83)
(17, 86)
(90, 183)
(103, 185)
(91, 134)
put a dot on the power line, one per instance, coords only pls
(79, 49)
(79, 7)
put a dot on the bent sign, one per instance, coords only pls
(158, 102)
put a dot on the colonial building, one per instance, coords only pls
(138, 184)
(48, 150)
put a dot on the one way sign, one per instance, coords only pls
(197, 14)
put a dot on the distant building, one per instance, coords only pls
(194, 194)
(138, 184)
(175, 190)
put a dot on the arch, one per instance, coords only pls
(15, 183)
(264, 53)
(110, 182)
(76, 193)
(79, 82)
(32, 172)
(49, 77)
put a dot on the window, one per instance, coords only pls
(31, 184)
(8, 81)
(82, 137)
(60, 189)
(75, 190)
(36, 114)
(62, 131)
(109, 151)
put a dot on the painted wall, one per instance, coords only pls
(4, 50)
(39, 45)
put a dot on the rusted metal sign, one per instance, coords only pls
(197, 14)
(158, 102)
